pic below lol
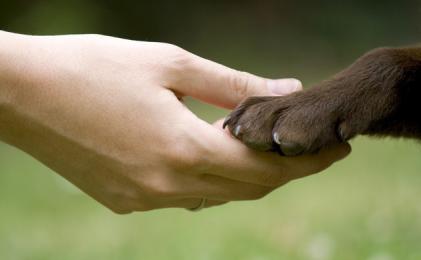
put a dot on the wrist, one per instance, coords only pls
(14, 50)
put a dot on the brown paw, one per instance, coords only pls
(369, 97)
(292, 125)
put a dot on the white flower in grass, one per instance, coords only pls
(320, 247)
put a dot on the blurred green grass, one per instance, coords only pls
(365, 207)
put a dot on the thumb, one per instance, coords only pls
(225, 87)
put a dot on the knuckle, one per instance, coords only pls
(176, 59)
(181, 159)
(241, 84)
(158, 188)
(161, 191)
(185, 156)
(172, 48)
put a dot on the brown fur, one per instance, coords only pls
(379, 94)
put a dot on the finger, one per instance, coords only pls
(219, 124)
(226, 87)
(305, 165)
(205, 185)
(280, 170)
(231, 159)
(222, 189)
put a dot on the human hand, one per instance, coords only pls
(105, 114)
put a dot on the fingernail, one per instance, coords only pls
(284, 86)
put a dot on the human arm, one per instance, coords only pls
(104, 113)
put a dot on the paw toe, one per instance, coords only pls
(291, 149)
(287, 148)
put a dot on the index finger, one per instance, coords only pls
(217, 84)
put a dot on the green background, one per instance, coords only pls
(365, 207)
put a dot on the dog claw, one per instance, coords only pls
(226, 121)
(276, 138)
(237, 130)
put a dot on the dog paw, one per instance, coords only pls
(365, 98)
(301, 123)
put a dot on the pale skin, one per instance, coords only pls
(105, 113)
